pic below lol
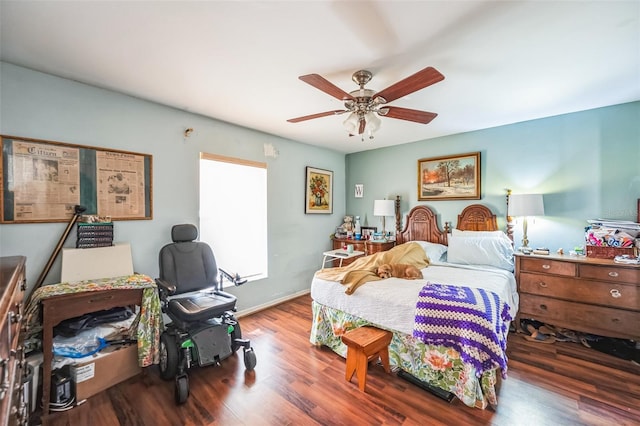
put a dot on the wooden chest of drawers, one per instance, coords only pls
(13, 409)
(594, 296)
(368, 247)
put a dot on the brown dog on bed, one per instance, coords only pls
(398, 270)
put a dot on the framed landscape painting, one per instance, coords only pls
(454, 177)
(319, 191)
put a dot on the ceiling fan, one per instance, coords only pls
(364, 104)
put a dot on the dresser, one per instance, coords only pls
(13, 408)
(596, 296)
(367, 246)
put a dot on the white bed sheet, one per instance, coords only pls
(391, 303)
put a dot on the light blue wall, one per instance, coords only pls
(587, 165)
(42, 106)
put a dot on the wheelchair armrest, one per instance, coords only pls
(166, 287)
(233, 278)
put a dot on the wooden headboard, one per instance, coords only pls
(422, 224)
(477, 217)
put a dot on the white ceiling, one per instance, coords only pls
(239, 61)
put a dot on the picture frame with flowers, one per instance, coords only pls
(318, 191)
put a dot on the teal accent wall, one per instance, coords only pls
(587, 165)
(41, 106)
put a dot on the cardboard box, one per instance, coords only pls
(107, 368)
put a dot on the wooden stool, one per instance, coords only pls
(363, 345)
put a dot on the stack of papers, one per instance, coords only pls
(627, 259)
(631, 228)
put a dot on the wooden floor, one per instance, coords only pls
(296, 383)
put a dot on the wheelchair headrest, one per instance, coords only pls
(183, 233)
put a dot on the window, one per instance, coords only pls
(233, 214)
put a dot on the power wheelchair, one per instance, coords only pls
(203, 329)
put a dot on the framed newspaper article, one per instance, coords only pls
(43, 181)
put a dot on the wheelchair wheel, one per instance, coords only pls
(236, 334)
(249, 359)
(182, 389)
(168, 356)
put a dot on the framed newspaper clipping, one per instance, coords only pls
(43, 181)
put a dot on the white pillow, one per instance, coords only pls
(477, 234)
(434, 251)
(492, 250)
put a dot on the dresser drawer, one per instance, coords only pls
(615, 295)
(81, 304)
(587, 318)
(610, 273)
(548, 266)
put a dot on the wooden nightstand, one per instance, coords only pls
(596, 296)
(368, 247)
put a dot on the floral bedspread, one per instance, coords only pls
(146, 327)
(437, 365)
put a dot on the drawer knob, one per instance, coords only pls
(542, 284)
(616, 320)
(545, 266)
(615, 293)
(543, 307)
(613, 274)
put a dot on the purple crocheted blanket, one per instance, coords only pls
(473, 321)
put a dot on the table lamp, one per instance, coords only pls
(525, 205)
(384, 208)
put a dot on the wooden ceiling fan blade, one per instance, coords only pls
(414, 115)
(413, 83)
(318, 115)
(326, 86)
(361, 127)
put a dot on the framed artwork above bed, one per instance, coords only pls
(455, 177)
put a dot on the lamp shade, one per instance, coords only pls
(526, 205)
(384, 208)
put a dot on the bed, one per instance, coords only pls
(391, 304)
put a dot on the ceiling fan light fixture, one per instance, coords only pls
(379, 100)
(373, 122)
(351, 123)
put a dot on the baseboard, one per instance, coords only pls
(245, 312)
